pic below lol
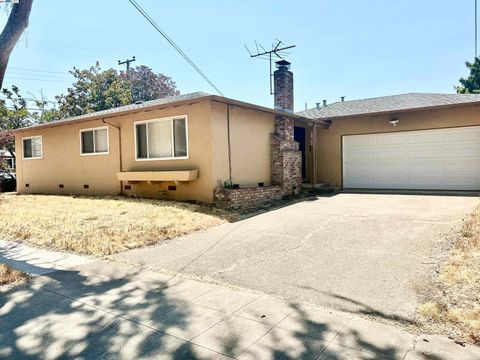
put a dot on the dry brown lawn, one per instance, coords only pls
(98, 225)
(456, 304)
(9, 276)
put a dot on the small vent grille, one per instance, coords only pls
(60, 186)
(86, 186)
(172, 187)
(27, 185)
(128, 187)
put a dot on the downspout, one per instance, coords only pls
(119, 149)
(314, 154)
(229, 146)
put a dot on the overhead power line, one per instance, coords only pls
(174, 45)
(21, 69)
(30, 79)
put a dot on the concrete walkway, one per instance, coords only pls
(106, 310)
(36, 261)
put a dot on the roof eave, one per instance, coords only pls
(167, 105)
(474, 103)
(119, 113)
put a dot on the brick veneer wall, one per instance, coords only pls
(246, 198)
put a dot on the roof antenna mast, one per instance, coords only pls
(476, 27)
(277, 52)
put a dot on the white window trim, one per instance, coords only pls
(41, 148)
(93, 129)
(170, 118)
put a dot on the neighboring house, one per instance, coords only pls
(196, 146)
(8, 157)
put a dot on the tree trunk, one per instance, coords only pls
(16, 24)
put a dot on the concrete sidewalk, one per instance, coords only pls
(36, 261)
(105, 310)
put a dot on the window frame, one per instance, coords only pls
(41, 147)
(170, 119)
(93, 129)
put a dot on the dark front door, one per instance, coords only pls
(299, 136)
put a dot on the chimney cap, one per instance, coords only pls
(282, 63)
(324, 102)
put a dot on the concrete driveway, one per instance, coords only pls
(364, 253)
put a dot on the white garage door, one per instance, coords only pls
(441, 159)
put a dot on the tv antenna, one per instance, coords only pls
(277, 52)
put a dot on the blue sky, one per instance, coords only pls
(352, 48)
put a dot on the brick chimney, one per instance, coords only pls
(285, 158)
(283, 86)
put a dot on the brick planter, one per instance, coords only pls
(246, 198)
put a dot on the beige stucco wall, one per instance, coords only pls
(329, 141)
(63, 164)
(207, 144)
(199, 154)
(250, 132)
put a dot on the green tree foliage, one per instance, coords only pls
(470, 84)
(95, 89)
(12, 116)
(145, 85)
(7, 141)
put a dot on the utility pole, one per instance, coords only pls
(127, 62)
(476, 26)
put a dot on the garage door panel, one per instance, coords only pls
(393, 153)
(460, 135)
(462, 167)
(444, 159)
(360, 182)
(461, 151)
(425, 152)
(362, 141)
(390, 139)
(360, 154)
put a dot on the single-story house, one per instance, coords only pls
(216, 149)
(7, 156)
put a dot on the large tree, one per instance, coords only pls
(17, 22)
(14, 114)
(95, 89)
(470, 84)
(146, 85)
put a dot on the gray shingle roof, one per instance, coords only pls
(385, 104)
(132, 107)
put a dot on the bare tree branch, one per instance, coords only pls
(16, 24)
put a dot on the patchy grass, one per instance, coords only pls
(98, 225)
(455, 306)
(10, 276)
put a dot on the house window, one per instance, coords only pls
(94, 141)
(161, 139)
(32, 147)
